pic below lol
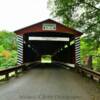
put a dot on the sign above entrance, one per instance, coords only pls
(49, 26)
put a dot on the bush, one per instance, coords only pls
(8, 49)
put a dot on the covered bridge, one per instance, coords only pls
(48, 38)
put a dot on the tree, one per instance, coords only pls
(8, 40)
(83, 15)
(8, 49)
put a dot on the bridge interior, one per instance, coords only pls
(58, 50)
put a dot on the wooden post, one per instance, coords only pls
(99, 80)
(16, 73)
(24, 68)
(90, 61)
(91, 76)
(77, 68)
(7, 76)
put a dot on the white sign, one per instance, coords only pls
(48, 26)
(31, 38)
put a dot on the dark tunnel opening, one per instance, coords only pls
(62, 51)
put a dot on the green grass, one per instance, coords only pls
(46, 59)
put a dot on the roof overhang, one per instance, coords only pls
(48, 26)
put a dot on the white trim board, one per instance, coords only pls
(31, 38)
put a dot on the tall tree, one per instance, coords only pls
(83, 15)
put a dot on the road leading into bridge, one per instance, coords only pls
(50, 83)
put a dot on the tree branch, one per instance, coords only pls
(90, 5)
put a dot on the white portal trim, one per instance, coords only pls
(31, 38)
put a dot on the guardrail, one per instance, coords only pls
(7, 71)
(81, 69)
(65, 65)
(89, 73)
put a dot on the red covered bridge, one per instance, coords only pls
(49, 38)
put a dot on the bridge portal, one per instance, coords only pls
(48, 39)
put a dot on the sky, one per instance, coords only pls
(16, 14)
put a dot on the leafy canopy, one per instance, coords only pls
(83, 15)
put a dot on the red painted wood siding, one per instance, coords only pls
(38, 28)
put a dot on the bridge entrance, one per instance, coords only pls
(48, 41)
(38, 45)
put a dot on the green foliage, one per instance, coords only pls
(87, 48)
(8, 40)
(46, 59)
(8, 49)
(83, 15)
(1, 48)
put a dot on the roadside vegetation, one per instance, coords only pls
(8, 49)
(84, 16)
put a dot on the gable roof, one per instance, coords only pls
(38, 27)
